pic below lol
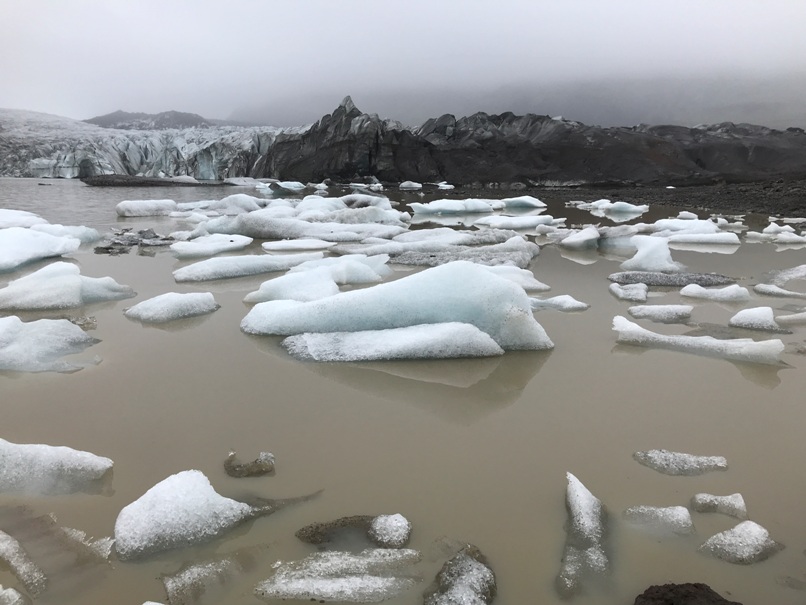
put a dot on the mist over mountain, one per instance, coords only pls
(776, 102)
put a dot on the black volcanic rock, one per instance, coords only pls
(681, 594)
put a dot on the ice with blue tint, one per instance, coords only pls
(304, 286)
(85, 234)
(652, 255)
(210, 245)
(19, 218)
(351, 268)
(564, 302)
(60, 285)
(145, 207)
(171, 306)
(584, 238)
(455, 292)
(738, 349)
(19, 246)
(468, 206)
(732, 293)
(226, 267)
(428, 341)
(523, 277)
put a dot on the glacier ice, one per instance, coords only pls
(564, 302)
(466, 579)
(732, 505)
(746, 543)
(304, 286)
(737, 349)
(265, 224)
(210, 245)
(661, 313)
(516, 251)
(679, 463)
(584, 238)
(38, 346)
(778, 291)
(370, 576)
(756, 318)
(410, 186)
(523, 277)
(436, 240)
(721, 239)
(46, 469)
(19, 246)
(661, 519)
(732, 293)
(390, 531)
(468, 206)
(84, 234)
(427, 341)
(630, 292)
(350, 268)
(515, 222)
(227, 267)
(455, 292)
(292, 245)
(29, 574)
(522, 201)
(171, 306)
(670, 280)
(60, 285)
(130, 208)
(9, 596)
(652, 255)
(792, 319)
(19, 218)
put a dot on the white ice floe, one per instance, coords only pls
(440, 239)
(292, 245)
(15, 558)
(60, 285)
(679, 463)
(33, 468)
(181, 510)
(732, 293)
(469, 206)
(84, 234)
(777, 291)
(721, 239)
(456, 292)
(746, 543)
(145, 207)
(515, 222)
(523, 277)
(522, 201)
(668, 280)
(370, 576)
(737, 349)
(19, 246)
(171, 306)
(390, 531)
(410, 186)
(240, 266)
(19, 218)
(652, 255)
(293, 186)
(793, 319)
(685, 215)
(427, 341)
(775, 229)
(38, 346)
(584, 238)
(305, 286)
(564, 302)
(350, 268)
(210, 245)
(265, 224)
(661, 520)
(630, 292)
(670, 226)
(732, 505)
(444, 186)
(9, 596)
(757, 318)
(465, 579)
(661, 313)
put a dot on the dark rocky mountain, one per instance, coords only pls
(165, 120)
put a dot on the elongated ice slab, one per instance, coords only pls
(661, 520)
(732, 505)
(427, 341)
(757, 318)
(585, 238)
(563, 302)
(678, 463)
(515, 251)
(738, 349)
(746, 543)
(777, 291)
(19, 218)
(451, 207)
(293, 245)
(303, 286)
(733, 293)
(630, 292)
(210, 245)
(661, 313)
(171, 306)
(226, 267)
(38, 346)
(670, 280)
(145, 207)
(19, 246)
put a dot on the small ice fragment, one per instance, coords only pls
(240, 266)
(678, 463)
(171, 306)
(746, 543)
(390, 531)
(19, 562)
(210, 245)
(145, 207)
(564, 302)
(291, 245)
(733, 293)
(653, 255)
(778, 291)
(410, 186)
(661, 313)
(661, 520)
(9, 596)
(465, 579)
(732, 505)
(585, 238)
(630, 292)
(757, 318)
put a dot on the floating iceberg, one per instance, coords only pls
(720, 239)
(351, 268)
(410, 186)
(60, 285)
(585, 238)
(792, 320)
(227, 267)
(661, 313)
(661, 520)
(46, 469)
(670, 280)
(304, 286)
(564, 302)
(390, 531)
(19, 246)
(732, 505)
(145, 207)
(292, 186)
(293, 245)
(652, 255)
(515, 222)
(37, 346)
(466, 578)
(9, 596)
(370, 576)
(677, 463)
(757, 318)
(19, 218)
(469, 206)
(522, 201)
(523, 277)
(171, 306)
(746, 543)
(85, 235)
(630, 292)
(777, 291)
(456, 292)
(733, 293)
(439, 240)
(210, 245)
(428, 341)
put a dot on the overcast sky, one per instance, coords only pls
(298, 58)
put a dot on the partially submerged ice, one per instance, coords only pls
(301, 286)
(515, 251)
(370, 576)
(228, 267)
(563, 302)
(737, 349)
(732, 505)
(746, 543)
(171, 306)
(384, 531)
(584, 543)
(19, 218)
(662, 520)
(652, 255)
(390, 531)
(9, 596)
(45, 469)
(427, 341)
(145, 208)
(756, 318)
(38, 346)
(679, 463)
(630, 292)
(732, 293)
(670, 280)
(210, 245)
(14, 557)
(456, 292)
(19, 246)
(661, 313)
(465, 579)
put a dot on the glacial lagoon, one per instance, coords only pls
(471, 450)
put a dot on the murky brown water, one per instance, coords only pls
(474, 450)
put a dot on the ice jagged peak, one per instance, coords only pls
(347, 104)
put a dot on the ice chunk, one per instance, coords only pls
(456, 292)
(522, 201)
(351, 268)
(670, 226)
(171, 306)
(37, 346)
(428, 341)
(757, 318)
(746, 543)
(687, 216)
(439, 240)
(733, 293)
(661, 520)
(661, 313)
(390, 531)
(671, 280)
(240, 266)
(19, 218)
(84, 234)
(630, 292)
(264, 224)
(586, 238)
(19, 246)
(145, 207)
(305, 286)
(732, 505)
(652, 255)
(515, 222)
(292, 186)
(523, 277)
(584, 542)
(778, 291)
(465, 579)
(209, 245)
(19, 562)
(46, 469)
(469, 206)
(410, 186)
(444, 186)
(9, 596)
(792, 320)
(564, 302)
(60, 285)
(721, 239)
(677, 463)
(236, 204)
(371, 576)
(515, 251)
(291, 245)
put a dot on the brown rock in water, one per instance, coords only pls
(681, 594)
